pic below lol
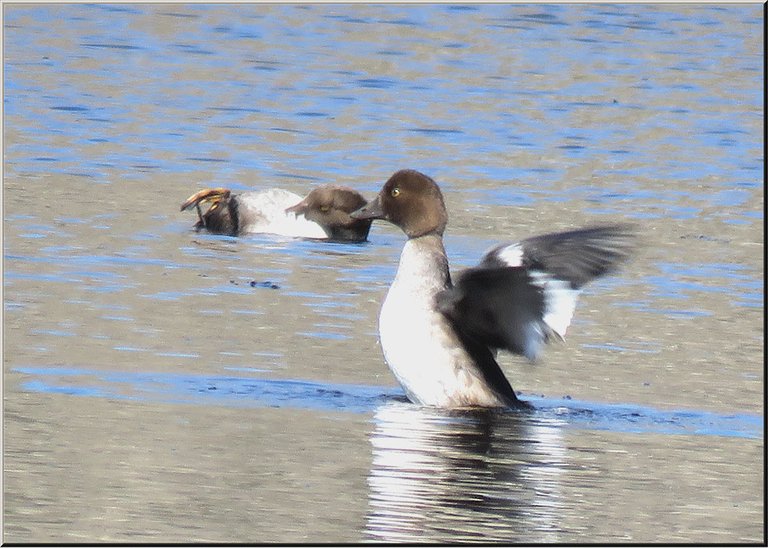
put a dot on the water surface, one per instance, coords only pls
(162, 385)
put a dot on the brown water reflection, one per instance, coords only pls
(477, 477)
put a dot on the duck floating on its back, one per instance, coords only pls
(440, 338)
(323, 214)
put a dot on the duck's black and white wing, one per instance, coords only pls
(523, 294)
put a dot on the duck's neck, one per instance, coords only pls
(423, 264)
(356, 231)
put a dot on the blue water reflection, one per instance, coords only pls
(239, 391)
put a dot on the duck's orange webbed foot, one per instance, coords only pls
(214, 196)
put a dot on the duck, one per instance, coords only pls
(322, 214)
(439, 337)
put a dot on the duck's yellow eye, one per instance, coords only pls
(395, 192)
(325, 208)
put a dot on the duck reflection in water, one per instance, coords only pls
(464, 476)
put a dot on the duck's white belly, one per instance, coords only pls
(410, 343)
(419, 344)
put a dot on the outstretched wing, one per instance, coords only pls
(523, 294)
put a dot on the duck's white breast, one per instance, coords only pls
(419, 344)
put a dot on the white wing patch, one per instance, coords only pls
(512, 255)
(534, 339)
(559, 301)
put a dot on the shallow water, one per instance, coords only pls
(166, 386)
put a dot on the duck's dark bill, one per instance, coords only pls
(372, 210)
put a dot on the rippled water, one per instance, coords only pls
(167, 386)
